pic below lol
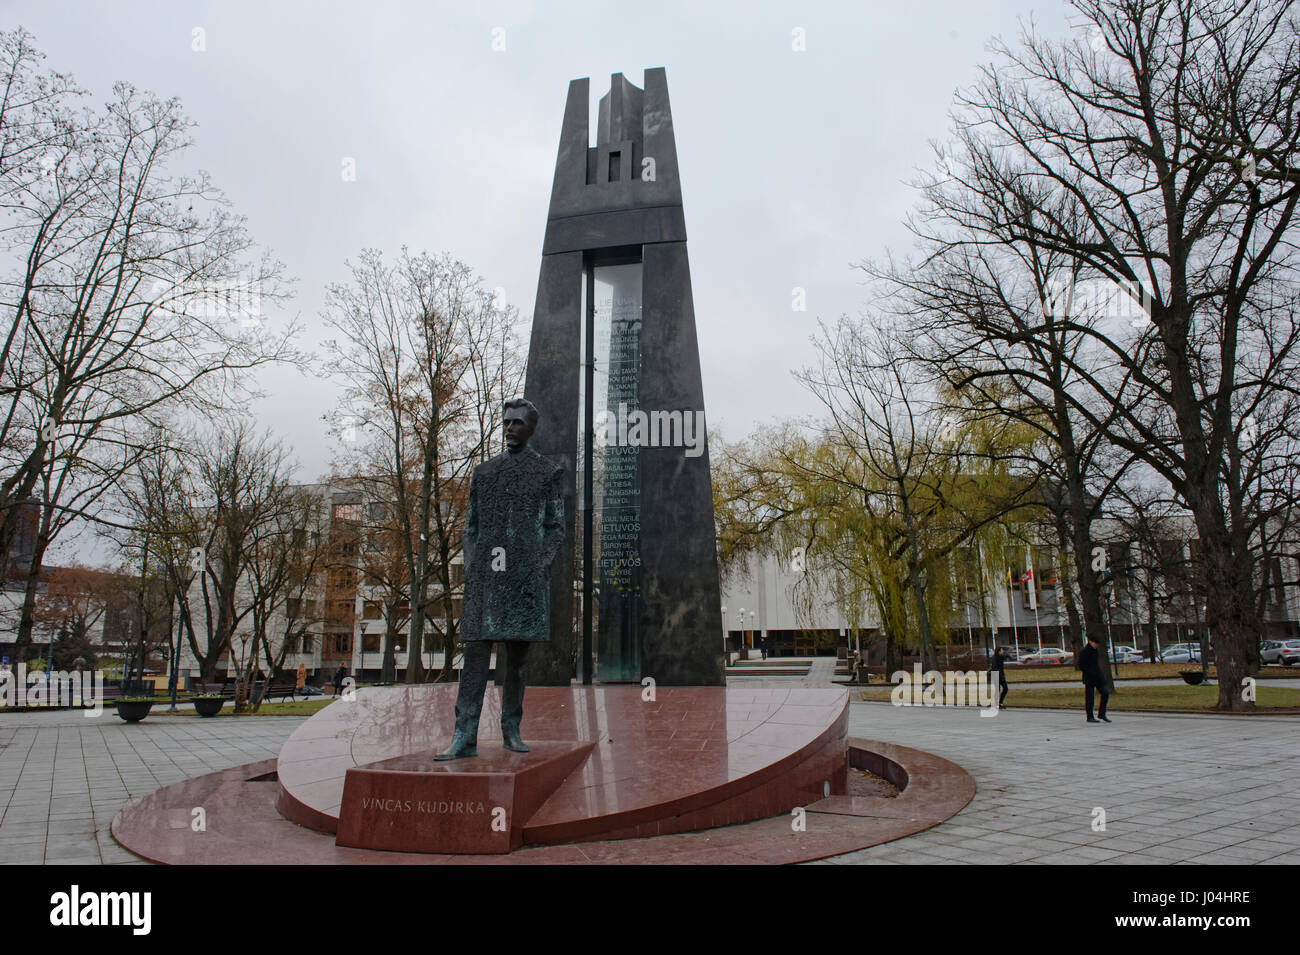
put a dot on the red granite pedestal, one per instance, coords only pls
(697, 775)
(607, 762)
(417, 804)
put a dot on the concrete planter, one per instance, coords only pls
(133, 711)
(209, 705)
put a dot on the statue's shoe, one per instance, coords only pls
(511, 741)
(461, 746)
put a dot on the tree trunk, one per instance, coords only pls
(1229, 614)
(1089, 588)
(420, 570)
(929, 660)
(27, 617)
(1065, 591)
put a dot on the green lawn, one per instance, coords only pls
(290, 708)
(1137, 698)
(1066, 673)
(1125, 671)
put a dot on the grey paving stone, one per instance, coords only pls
(1175, 789)
(1180, 788)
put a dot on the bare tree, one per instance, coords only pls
(133, 292)
(999, 328)
(1154, 155)
(287, 553)
(428, 358)
(222, 515)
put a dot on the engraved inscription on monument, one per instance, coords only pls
(431, 806)
(616, 496)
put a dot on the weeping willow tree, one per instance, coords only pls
(874, 502)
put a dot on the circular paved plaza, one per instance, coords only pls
(1198, 789)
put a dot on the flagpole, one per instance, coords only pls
(1011, 613)
(970, 635)
(1033, 595)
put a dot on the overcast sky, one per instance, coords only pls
(794, 164)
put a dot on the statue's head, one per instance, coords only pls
(521, 419)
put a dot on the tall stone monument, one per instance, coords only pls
(614, 369)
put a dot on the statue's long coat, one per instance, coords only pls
(513, 529)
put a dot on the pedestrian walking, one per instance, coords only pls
(301, 679)
(1093, 679)
(340, 675)
(998, 665)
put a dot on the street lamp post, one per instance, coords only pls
(174, 645)
(1205, 645)
(743, 652)
(725, 621)
(361, 652)
(126, 649)
(970, 633)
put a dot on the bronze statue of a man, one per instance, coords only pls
(513, 529)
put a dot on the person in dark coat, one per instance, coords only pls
(998, 665)
(340, 675)
(1093, 679)
(514, 527)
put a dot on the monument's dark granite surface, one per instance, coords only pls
(614, 205)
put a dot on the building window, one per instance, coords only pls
(347, 512)
(340, 612)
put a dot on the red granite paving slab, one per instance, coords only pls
(244, 828)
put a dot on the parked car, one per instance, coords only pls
(1275, 651)
(1047, 655)
(1181, 653)
(310, 690)
(1129, 655)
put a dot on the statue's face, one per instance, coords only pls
(517, 430)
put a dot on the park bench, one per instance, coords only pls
(281, 690)
(225, 690)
